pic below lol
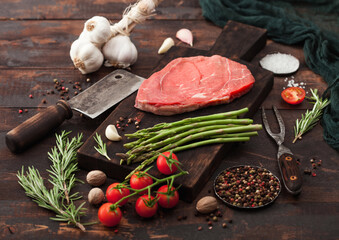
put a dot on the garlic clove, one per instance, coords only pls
(166, 45)
(112, 133)
(97, 30)
(86, 56)
(185, 36)
(120, 52)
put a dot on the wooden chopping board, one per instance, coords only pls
(237, 41)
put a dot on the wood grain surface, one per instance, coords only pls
(35, 37)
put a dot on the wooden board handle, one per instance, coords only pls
(38, 126)
(290, 173)
(239, 41)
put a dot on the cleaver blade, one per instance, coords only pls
(106, 93)
(95, 100)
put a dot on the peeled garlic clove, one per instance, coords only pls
(120, 52)
(86, 56)
(112, 133)
(185, 36)
(166, 45)
(97, 30)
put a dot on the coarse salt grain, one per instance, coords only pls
(292, 83)
(280, 63)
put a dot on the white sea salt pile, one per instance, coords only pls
(280, 63)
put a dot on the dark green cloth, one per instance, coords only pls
(303, 22)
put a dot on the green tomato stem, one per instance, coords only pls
(157, 181)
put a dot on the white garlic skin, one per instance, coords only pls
(185, 36)
(112, 134)
(86, 56)
(97, 30)
(166, 45)
(120, 52)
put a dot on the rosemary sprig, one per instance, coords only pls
(101, 148)
(62, 176)
(311, 118)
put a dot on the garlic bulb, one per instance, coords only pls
(112, 134)
(97, 30)
(86, 56)
(120, 52)
(166, 45)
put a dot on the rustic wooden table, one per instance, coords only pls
(35, 37)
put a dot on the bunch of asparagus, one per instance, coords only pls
(186, 134)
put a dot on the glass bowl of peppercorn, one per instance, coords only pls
(247, 187)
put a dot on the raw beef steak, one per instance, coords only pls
(187, 84)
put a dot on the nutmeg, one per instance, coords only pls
(96, 196)
(96, 178)
(207, 204)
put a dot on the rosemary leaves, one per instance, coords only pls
(311, 118)
(62, 175)
(101, 148)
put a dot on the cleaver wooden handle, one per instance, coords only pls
(38, 126)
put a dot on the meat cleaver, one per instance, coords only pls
(95, 100)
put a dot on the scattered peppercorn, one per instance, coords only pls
(224, 225)
(26, 110)
(215, 219)
(199, 228)
(209, 223)
(230, 220)
(121, 119)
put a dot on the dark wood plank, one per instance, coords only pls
(25, 44)
(201, 162)
(315, 207)
(77, 9)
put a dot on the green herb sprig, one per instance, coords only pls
(311, 118)
(101, 148)
(62, 176)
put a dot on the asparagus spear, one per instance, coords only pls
(160, 126)
(172, 131)
(172, 143)
(186, 147)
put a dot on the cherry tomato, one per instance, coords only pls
(167, 164)
(146, 206)
(140, 180)
(108, 216)
(115, 192)
(167, 198)
(293, 95)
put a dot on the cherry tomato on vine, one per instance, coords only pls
(108, 215)
(167, 163)
(293, 95)
(140, 180)
(115, 192)
(168, 198)
(146, 206)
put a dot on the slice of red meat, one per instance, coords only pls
(187, 84)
